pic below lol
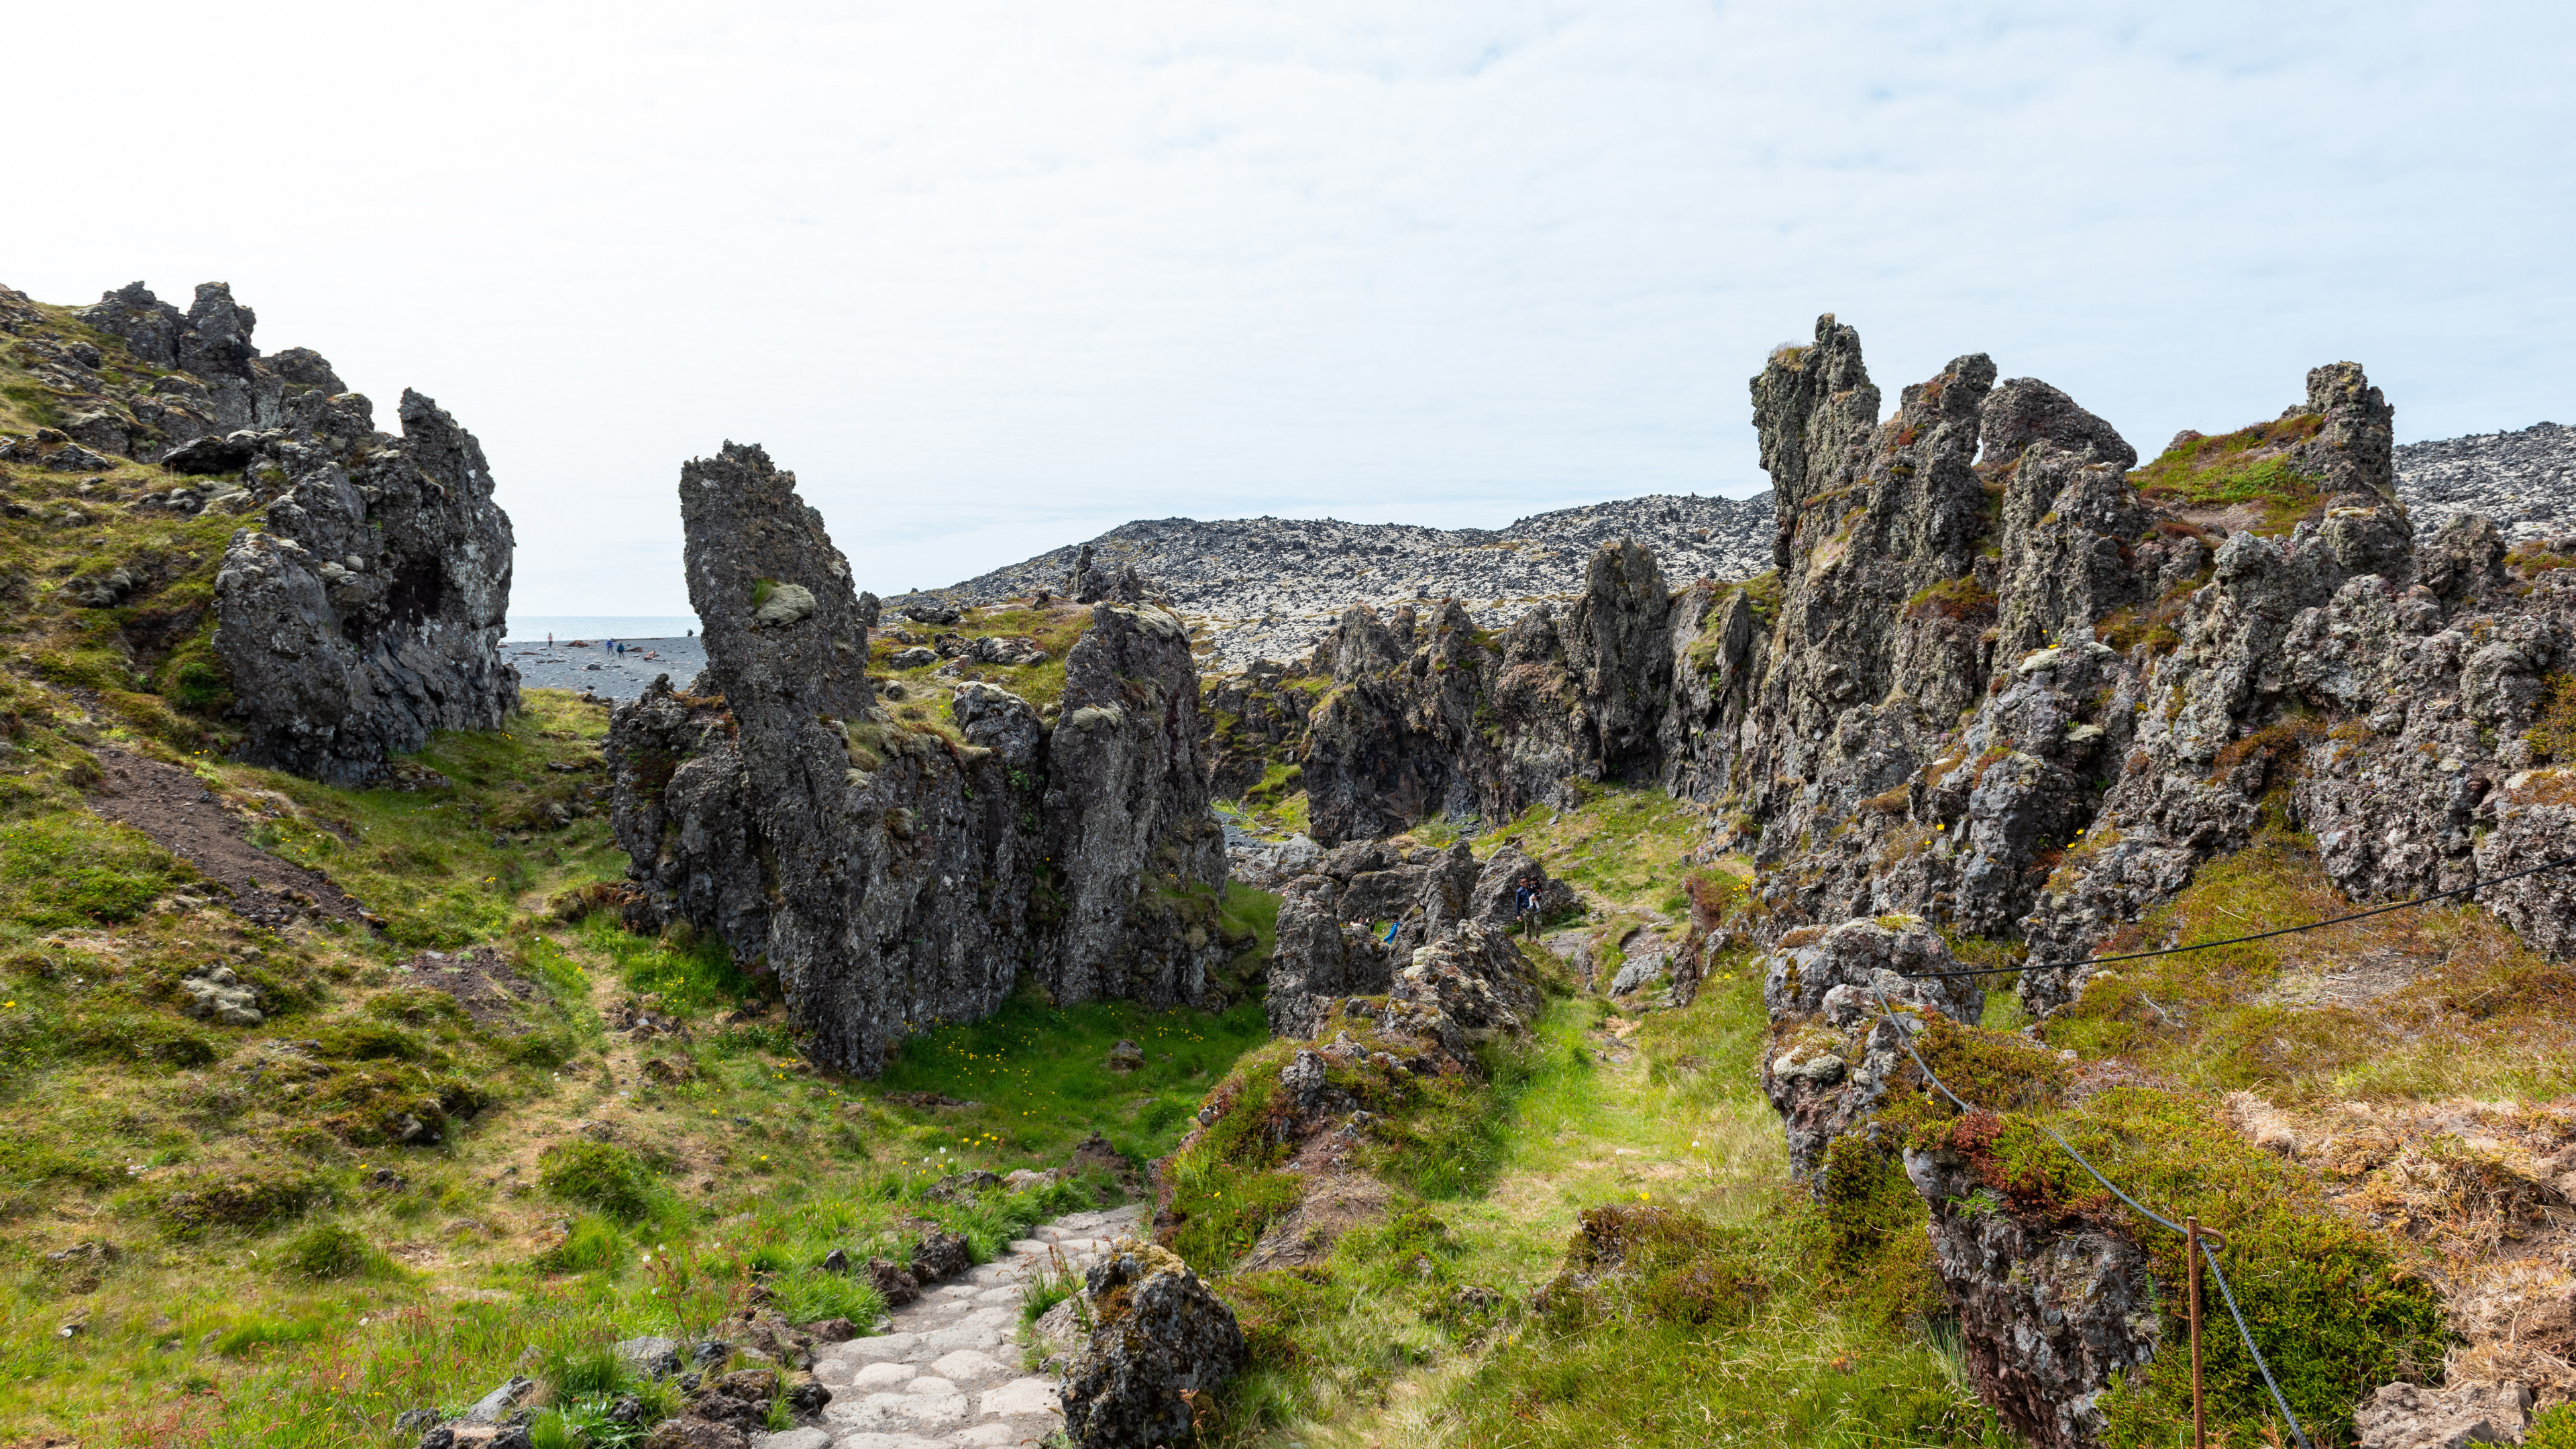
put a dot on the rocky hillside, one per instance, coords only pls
(2012, 695)
(2005, 677)
(1268, 588)
(2524, 482)
(359, 600)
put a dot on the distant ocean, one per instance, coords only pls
(527, 627)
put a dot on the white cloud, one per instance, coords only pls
(992, 277)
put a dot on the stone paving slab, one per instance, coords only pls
(947, 1374)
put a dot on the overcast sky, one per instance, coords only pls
(994, 277)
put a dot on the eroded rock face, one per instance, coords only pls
(894, 869)
(1138, 858)
(895, 873)
(2048, 1312)
(1160, 1337)
(2025, 699)
(1838, 1033)
(1448, 913)
(676, 805)
(2402, 1416)
(230, 387)
(1435, 717)
(1319, 955)
(368, 612)
(1476, 977)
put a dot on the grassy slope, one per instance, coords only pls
(2426, 1137)
(205, 1231)
(1420, 1328)
(203, 1159)
(1676, 1124)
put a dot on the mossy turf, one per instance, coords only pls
(1038, 1078)
(1052, 629)
(2249, 468)
(1429, 1324)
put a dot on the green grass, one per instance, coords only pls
(2247, 467)
(1437, 1297)
(1040, 1077)
(74, 869)
(1253, 915)
(600, 1175)
(425, 860)
(1630, 845)
(1275, 805)
(683, 968)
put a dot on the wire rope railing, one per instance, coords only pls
(2197, 1239)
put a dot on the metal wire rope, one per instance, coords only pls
(2471, 888)
(1888, 1014)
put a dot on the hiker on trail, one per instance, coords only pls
(1525, 902)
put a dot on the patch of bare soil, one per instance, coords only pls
(182, 816)
(2355, 979)
(482, 980)
(1336, 1200)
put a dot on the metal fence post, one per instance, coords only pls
(2191, 1250)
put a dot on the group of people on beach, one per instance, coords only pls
(582, 643)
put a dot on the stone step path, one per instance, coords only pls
(947, 1374)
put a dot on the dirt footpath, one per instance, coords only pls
(182, 816)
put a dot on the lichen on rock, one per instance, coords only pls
(1161, 1346)
(368, 610)
(893, 869)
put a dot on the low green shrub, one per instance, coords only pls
(589, 1245)
(327, 1251)
(1652, 1265)
(586, 1369)
(600, 1175)
(238, 1198)
(808, 1294)
(257, 1333)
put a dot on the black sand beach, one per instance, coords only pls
(590, 664)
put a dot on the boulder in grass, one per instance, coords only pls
(1160, 1341)
(894, 1285)
(941, 1254)
(649, 1357)
(2402, 1416)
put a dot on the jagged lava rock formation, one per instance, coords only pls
(894, 872)
(368, 609)
(2002, 679)
(1270, 588)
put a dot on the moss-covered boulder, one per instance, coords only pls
(1161, 1345)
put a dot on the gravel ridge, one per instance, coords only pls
(2524, 482)
(1268, 588)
